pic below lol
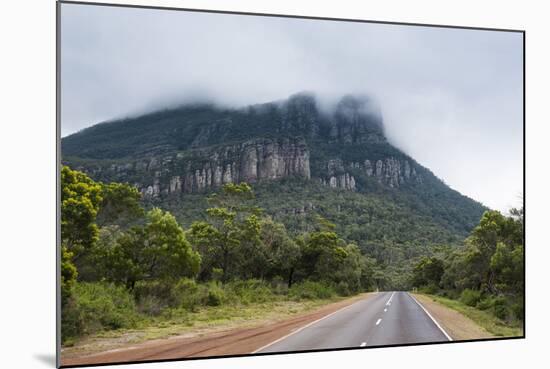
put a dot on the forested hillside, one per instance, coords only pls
(177, 210)
(301, 161)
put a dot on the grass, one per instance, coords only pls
(484, 319)
(181, 322)
(104, 309)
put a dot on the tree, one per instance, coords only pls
(323, 254)
(80, 201)
(86, 205)
(351, 271)
(230, 237)
(167, 250)
(157, 250)
(507, 264)
(428, 272)
(68, 275)
(491, 260)
(282, 252)
(119, 205)
(493, 228)
(252, 255)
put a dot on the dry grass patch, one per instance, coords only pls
(463, 322)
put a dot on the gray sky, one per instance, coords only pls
(452, 99)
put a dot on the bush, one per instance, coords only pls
(500, 308)
(470, 297)
(485, 303)
(151, 305)
(431, 289)
(215, 295)
(518, 311)
(186, 294)
(279, 286)
(153, 297)
(249, 291)
(309, 290)
(342, 288)
(94, 307)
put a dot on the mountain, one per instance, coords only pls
(302, 161)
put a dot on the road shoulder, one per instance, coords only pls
(458, 326)
(227, 342)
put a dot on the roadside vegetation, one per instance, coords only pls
(484, 318)
(128, 267)
(124, 267)
(483, 279)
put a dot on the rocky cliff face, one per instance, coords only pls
(391, 172)
(201, 148)
(340, 158)
(250, 161)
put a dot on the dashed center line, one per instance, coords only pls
(388, 303)
(363, 344)
(385, 309)
(378, 321)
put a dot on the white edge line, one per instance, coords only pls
(431, 317)
(304, 327)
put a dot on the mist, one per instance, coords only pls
(450, 98)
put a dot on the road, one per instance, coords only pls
(388, 318)
(384, 318)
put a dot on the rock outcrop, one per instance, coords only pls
(251, 161)
(392, 171)
(337, 177)
(388, 171)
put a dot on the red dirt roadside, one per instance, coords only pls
(229, 342)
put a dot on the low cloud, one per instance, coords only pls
(450, 98)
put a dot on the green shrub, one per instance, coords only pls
(153, 297)
(279, 286)
(186, 294)
(309, 290)
(518, 310)
(431, 289)
(151, 305)
(485, 303)
(217, 274)
(215, 295)
(470, 297)
(452, 294)
(500, 308)
(342, 288)
(249, 291)
(95, 307)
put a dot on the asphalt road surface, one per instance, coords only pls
(388, 318)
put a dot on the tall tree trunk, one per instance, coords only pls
(225, 262)
(290, 274)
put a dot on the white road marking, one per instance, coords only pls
(431, 317)
(388, 303)
(378, 321)
(363, 344)
(386, 309)
(305, 326)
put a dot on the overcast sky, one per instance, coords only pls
(451, 98)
